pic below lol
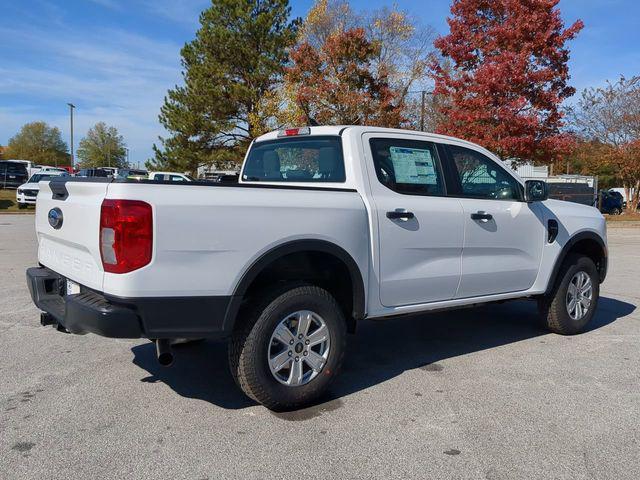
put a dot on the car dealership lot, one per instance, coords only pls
(481, 393)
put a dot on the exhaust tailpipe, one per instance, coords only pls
(163, 350)
(46, 319)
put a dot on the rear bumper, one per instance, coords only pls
(108, 316)
(86, 312)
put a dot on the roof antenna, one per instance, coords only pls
(313, 122)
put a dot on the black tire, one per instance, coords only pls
(250, 343)
(553, 308)
(616, 211)
(22, 205)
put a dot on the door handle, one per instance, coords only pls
(481, 216)
(400, 214)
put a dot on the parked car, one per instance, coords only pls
(112, 171)
(170, 177)
(611, 202)
(29, 165)
(12, 174)
(132, 174)
(94, 172)
(27, 193)
(572, 192)
(227, 178)
(48, 169)
(326, 227)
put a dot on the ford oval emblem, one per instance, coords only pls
(55, 218)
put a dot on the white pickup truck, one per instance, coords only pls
(326, 227)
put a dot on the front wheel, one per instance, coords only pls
(289, 347)
(572, 303)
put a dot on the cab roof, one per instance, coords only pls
(339, 129)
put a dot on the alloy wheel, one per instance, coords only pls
(579, 295)
(298, 348)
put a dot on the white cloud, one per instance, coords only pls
(110, 75)
(186, 12)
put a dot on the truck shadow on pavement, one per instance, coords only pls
(379, 351)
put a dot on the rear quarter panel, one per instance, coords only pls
(207, 237)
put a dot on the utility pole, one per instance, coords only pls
(71, 107)
(423, 94)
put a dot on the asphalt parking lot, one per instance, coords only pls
(482, 393)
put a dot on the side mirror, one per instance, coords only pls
(535, 191)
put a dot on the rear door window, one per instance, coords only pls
(296, 159)
(410, 167)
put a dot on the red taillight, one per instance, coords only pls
(126, 235)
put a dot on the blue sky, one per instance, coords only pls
(115, 59)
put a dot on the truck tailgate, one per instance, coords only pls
(73, 248)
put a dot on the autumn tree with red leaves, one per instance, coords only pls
(507, 78)
(333, 83)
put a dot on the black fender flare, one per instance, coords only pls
(288, 248)
(567, 248)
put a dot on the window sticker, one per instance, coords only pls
(413, 165)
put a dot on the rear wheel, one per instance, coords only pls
(289, 347)
(572, 303)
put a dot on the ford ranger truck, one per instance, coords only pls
(326, 227)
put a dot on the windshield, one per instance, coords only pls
(36, 177)
(296, 159)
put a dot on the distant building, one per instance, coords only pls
(529, 170)
(574, 188)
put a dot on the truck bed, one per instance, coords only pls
(206, 235)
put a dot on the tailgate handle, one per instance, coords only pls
(59, 189)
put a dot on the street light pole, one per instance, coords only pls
(422, 102)
(71, 107)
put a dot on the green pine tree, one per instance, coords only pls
(230, 72)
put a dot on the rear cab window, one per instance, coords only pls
(308, 159)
